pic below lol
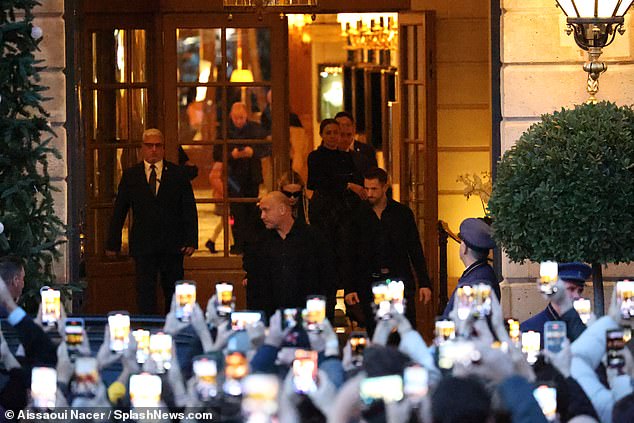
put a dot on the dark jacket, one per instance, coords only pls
(283, 272)
(574, 325)
(162, 224)
(480, 271)
(392, 242)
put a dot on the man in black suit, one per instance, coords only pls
(386, 245)
(164, 223)
(363, 155)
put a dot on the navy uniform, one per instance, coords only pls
(476, 234)
(576, 273)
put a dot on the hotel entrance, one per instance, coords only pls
(166, 67)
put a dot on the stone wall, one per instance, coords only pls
(464, 108)
(49, 17)
(541, 72)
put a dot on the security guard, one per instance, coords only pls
(476, 244)
(574, 277)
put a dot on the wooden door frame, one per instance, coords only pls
(430, 208)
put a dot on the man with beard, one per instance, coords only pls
(387, 245)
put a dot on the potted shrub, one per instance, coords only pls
(565, 191)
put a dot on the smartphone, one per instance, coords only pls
(531, 345)
(142, 338)
(614, 348)
(73, 334)
(513, 327)
(548, 275)
(119, 324)
(386, 388)
(240, 319)
(185, 292)
(444, 330)
(358, 342)
(305, 371)
(161, 351)
(584, 309)
(382, 304)
(546, 396)
(43, 387)
(206, 373)
(482, 300)
(145, 390)
(225, 302)
(315, 312)
(290, 317)
(465, 297)
(51, 305)
(415, 382)
(554, 336)
(86, 379)
(236, 368)
(625, 295)
(259, 396)
(396, 292)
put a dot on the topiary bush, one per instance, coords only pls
(565, 191)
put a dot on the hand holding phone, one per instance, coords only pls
(206, 373)
(43, 387)
(315, 312)
(185, 292)
(614, 348)
(531, 342)
(51, 305)
(145, 390)
(385, 388)
(73, 335)
(305, 371)
(161, 351)
(554, 336)
(548, 275)
(241, 319)
(119, 325)
(358, 342)
(546, 396)
(225, 302)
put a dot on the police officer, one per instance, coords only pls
(476, 244)
(573, 276)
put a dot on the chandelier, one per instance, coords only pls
(372, 31)
(594, 24)
(259, 6)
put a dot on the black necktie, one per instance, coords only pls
(153, 179)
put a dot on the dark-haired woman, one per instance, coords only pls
(335, 195)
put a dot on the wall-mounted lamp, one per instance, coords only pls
(594, 24)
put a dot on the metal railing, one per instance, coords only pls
(444, 233)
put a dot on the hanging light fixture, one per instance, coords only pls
(280, 6)
(594, 24)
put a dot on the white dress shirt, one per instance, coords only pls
(159, 173)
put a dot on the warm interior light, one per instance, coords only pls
(241, 75)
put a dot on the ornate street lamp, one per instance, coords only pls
(594, 24)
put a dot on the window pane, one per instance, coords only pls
(199, 120)
(109, 120)
(139, 109)
(199, 54)
(107, 167)
(208, 181)
(138, 58)
(255, 104)
(248, 53)
(211, 228)
(108, 56)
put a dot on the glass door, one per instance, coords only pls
(223, 79)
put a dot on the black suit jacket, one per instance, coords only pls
(392, 242)
(162, 224)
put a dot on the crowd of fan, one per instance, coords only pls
(266, 374)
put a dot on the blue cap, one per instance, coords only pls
(476, 234)
(574, 272)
